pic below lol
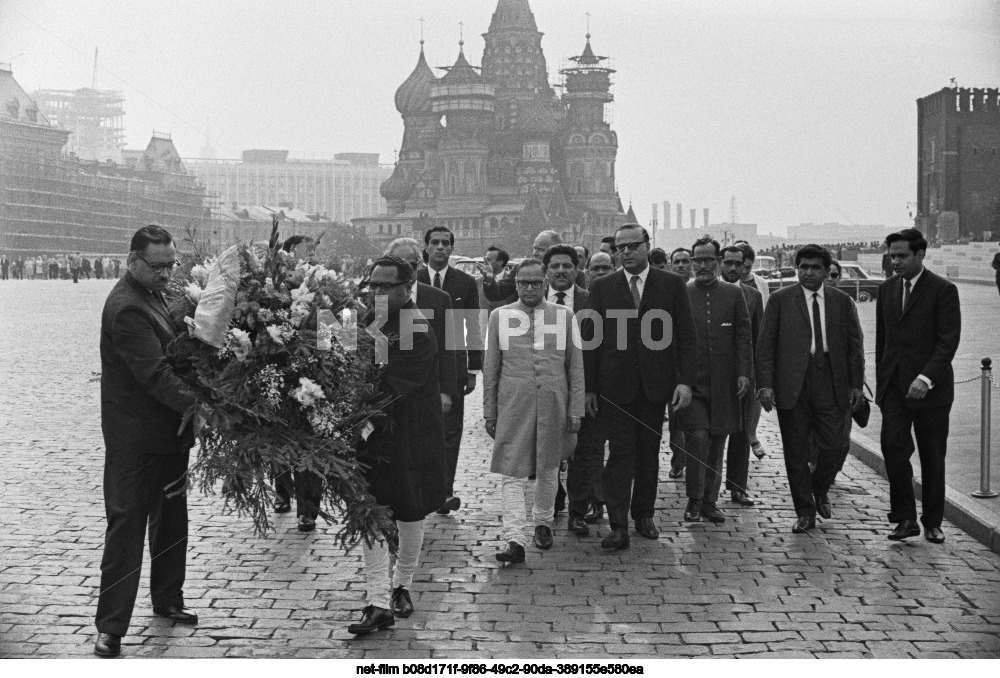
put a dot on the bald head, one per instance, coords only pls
(544, 241)
(599, 265)
(407, 249)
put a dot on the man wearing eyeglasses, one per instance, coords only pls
(644, 357)
(147, 439)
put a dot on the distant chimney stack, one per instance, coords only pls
(680, 216)
(666, 215)
(705, 214)
(694, 217)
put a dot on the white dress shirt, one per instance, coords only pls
(641, 284)
(443, 272)
(550, 296)
(822, 317)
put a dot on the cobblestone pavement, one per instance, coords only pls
(745, 588)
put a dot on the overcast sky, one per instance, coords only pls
(805, 111)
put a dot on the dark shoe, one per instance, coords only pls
(647, 528)
(177, 614)
(595, 513)
(108, 645)
(372, 619)
(578, 526)
(742, 498)
(543, 537)
(711, 512)
(514, 553)
(692, 513)
(804, 524)
(676, 473)
(823, 508)
(306, 524)
(402, 606)
(906, 528)
(282, 505)
(758, 450)
(450, 504)
(617, 539)
(934, 535)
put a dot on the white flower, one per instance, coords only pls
(200, 273)
(193, 292)
(308, 392)
(302, 295)
(276, 335)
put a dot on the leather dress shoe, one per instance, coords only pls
(177, 614)
(711, 512)
(108, 645)
(372, 619)
(595, 513)
(617, 539)
(676, 473)
(823, 507)
(647, 528)
(514, 553)
(934, 535)
(692, 513)
(306, 524)
(906, 528)
(758, 450)
(402, 606)
(282, 505)
(450, 504)
(578, 526)
(742, 498)
(543, 537)
(803, 524)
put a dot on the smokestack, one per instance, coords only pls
(694, 217)
(705, 213)
(666, 215)
(680, 216)
(654, 218)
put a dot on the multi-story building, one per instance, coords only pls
(94, 118)
(512, 158)
(958, 166)
(53, 203)
(340, 189)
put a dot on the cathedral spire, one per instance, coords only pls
(513, 15)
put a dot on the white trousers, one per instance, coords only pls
(384, 572)
(512, 496)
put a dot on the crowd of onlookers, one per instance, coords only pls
(58, 267)
(784, 255)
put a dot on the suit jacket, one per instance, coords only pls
(142, 400)
(786, 337)
(920, 339)
(755, 306)
(505, 289)
(581, 299)
(466, 333)
(618, 373)
(435, 305)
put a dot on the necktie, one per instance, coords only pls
(561, 298)
(907, 286)
(636, 297)
(817, 326)
(437, 279)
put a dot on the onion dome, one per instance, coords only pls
(396, 187)
(413, 96)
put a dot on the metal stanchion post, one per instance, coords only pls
(984, 491)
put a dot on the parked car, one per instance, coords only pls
(764, 266)
(861, 285)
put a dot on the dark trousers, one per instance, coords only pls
(738, 452)
(631, 475)
(678, 444)
(703, 478)
(454, 422)
(815, 418)
(305, 486)
(133, 496)
(583, 479)
(76, 275)
(930, 425)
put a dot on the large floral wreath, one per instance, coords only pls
(283, 380)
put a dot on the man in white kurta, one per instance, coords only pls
(533, 403)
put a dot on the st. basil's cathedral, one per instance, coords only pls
(494, 154)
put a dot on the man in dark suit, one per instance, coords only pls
(640, 352)
(583, 473)
(917, 330)
(465, 338)
(503, 289)
(738, 452)
(810, 365)
(147, 438)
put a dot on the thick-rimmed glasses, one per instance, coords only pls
(529, 284)
(159, 268)
(630, 246)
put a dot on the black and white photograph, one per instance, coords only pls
(499, 336)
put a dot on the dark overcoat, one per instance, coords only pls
(142, 399)
(725, 353)
(406, 451)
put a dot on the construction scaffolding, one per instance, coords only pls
(94, 118)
